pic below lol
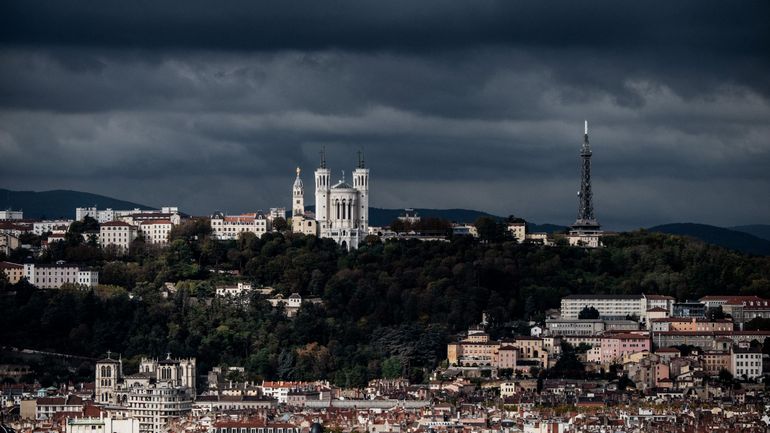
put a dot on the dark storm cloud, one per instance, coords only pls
(399, 25)
(456, 104)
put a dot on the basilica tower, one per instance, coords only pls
(298, 197)
(361, 183)
(322, 187)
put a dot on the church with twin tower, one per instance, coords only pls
(341, 209)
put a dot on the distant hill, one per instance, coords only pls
(383, 217)
(727, 238)
(761, 231)
(547, 228)
(62, 203)
(58, 203)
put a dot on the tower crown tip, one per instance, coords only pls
(586, 127)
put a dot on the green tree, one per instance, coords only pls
(489, 229)
(280, 224)
(588, 313)
(392, 368)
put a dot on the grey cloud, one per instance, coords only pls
(455, 104)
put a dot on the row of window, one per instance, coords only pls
(258, 430)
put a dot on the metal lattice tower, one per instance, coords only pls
(586, 218)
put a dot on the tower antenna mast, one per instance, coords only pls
(585, 217)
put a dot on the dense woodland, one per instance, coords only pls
(389, 308)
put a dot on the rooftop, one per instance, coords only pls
(592, 296)
(115, 224)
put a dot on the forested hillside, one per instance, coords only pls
(388, 308)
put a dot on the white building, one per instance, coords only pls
(54, 276)
(746, 363)
(236, 291)
(137, 219)
(585, 238)
(609, 306)
(342, 210)
(538, 238)
(11, 215)
(106, 215)
(276, 212)
(615, 306)
(101, 216)
(507, 389)
(229, 227)
(155, 231)
(101, 425)
(409, 216)
(518, 230)
(41, 227)
(464, 230)
(156, 405)
(117, 233)
(15, 228)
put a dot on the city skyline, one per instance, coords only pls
(454, 107)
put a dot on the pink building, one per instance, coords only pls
(614, 347)
(505, 357)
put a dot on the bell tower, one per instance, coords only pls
(361, 183)
(108, 372)
(298, 197)
(322, 186)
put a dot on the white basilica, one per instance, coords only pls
(341, 209)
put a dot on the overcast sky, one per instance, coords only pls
(456, 104)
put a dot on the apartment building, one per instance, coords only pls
(118, 234)
(54, 276)
(229, 227)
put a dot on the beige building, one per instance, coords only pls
(8, 242)
(690, 324)
(476, 350)
(117, 233)
(715, 361)
(155, 232)
(304, 225)
(14, 271)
